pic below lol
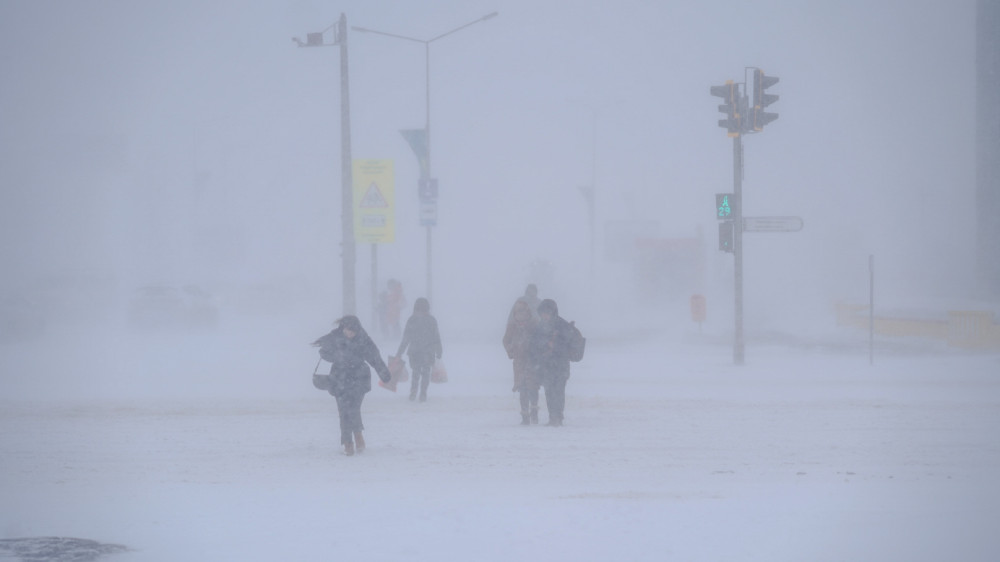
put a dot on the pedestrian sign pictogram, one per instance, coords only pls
(373, 198)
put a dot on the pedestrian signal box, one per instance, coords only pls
(726, 235)
(725, 206)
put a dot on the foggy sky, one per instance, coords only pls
(192, 142)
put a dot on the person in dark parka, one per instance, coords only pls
(516, 341)
(549, 353)
(350, 350)
(422, 342)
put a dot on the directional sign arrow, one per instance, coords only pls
(772, 224)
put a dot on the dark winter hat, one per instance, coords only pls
(351, 323)
(422, 305)
(548, 306)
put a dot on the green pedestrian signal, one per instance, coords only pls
(725, 206)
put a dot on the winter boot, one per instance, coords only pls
(349, 449)
(534, 414)
(359, 441)
(525, 420)
(423, 396)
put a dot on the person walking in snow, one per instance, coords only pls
(392, 302)
(549, 356)
(516, 340)
(422, 343)
(530, 296)
(350, 351)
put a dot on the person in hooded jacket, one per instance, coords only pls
(422, 342)
(530, 297)
(548, 353)
(516, 340)
(350, 351)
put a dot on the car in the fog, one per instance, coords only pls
(157, 307)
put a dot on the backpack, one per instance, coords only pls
(577, 343)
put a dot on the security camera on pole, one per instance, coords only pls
(742, 117)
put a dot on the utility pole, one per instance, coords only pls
(348, 253)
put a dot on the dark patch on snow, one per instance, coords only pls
(56, 549)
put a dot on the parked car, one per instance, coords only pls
(166, 307)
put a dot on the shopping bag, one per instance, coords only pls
(391, 385)
(397, 367)
(439, 373)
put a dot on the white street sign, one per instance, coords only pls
(772, 224)
(428, 213)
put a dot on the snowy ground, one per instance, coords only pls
(216, 447)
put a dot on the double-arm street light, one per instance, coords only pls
(428, 195)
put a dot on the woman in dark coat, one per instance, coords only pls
(548, 352)
(350, 350)
(422, 338)
(516, 340)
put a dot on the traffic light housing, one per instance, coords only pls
(730, 94)
(762, 99)
(727, 231)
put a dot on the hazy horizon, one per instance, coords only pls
(194, 143)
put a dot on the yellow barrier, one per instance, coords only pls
(968, 329)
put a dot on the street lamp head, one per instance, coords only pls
(490, 16)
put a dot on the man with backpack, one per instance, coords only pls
(553, 344)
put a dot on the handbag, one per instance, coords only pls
(439, 373)
(320, 380)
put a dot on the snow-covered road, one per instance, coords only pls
(669, 453)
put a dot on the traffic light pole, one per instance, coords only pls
(738, 247)
(741, 117)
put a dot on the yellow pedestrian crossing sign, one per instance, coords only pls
(374, 201)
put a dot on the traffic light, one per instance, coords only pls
(726, 206)
(730, 94)
(726, 235)
(762, 99)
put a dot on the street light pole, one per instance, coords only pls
(427, 126)
(347, 188)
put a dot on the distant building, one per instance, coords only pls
(988, 146)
